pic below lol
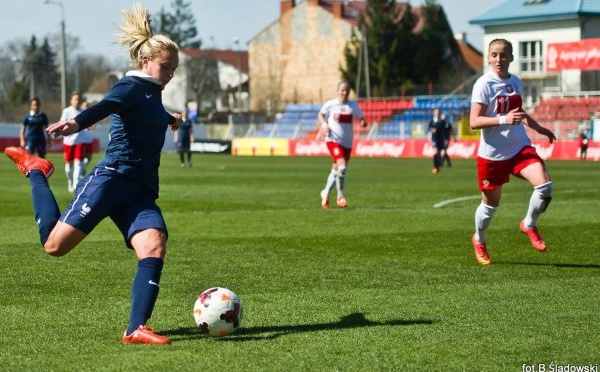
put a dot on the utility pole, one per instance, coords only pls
(63, 53)
(239, 61)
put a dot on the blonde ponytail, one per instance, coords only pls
(136, 33)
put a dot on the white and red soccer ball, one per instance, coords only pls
(218, 312)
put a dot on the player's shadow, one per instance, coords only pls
(557, 265)
(356, 320)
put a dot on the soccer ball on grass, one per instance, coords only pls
(218, 311)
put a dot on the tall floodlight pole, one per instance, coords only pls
(63, 53)
(239, 61)
(367, 69)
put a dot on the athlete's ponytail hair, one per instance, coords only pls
(136, 32)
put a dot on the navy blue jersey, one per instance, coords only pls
(183, 137)
(438, 130)
(138, 122)
(447, 130)
(35, 126)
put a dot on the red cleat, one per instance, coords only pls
(144, 335)
(536, 240)
(341, 202)
(324, 199)
(27, 162)
(481, 254)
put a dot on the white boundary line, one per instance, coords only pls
(450, 201)
(443, 203)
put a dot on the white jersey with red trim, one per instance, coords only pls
(67, 114)
(340, 119)
(500, 96)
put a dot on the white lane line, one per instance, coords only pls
(443, 203)
(450, 201)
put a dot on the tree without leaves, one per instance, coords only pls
(203, 76)
(179, 26)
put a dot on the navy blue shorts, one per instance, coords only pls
(107, 193)
(33, 145)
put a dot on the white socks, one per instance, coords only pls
(340, 180)
(540, 198)
(330, 181)
(69, 175)
(483, 217)
(77, 172)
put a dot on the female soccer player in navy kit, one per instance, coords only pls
(32, 135)
(505, 148)
(124, 184)
(337, 121)
(184, 138)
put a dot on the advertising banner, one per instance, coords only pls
(260, 146)
(423, 148)
(577, 55)
(211, 146)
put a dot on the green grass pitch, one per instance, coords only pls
(389, 283)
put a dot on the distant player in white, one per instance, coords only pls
(337, 117)
(86, 138)
(72, 146)
(505, 148)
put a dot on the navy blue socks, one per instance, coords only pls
(144, 291)
(45, 209)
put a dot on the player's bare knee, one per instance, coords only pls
(55, 249)
(150, 243)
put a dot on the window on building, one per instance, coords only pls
(531, 57)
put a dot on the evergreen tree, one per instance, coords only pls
(390, 44)
(351, 56)
(48, 77)
(434, 57)
(399, 59)
(180, 25)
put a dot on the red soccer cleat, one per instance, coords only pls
(27, 162)
(536, 240)
(324, 199)
(144, 335)
(481, 254)
(341, 202)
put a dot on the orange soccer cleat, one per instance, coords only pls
(536, 240)
(481, 254)
(341, 202)
(324, 199)
(144, 335)
(27, 162)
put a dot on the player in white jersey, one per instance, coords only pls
(505, 148)
(337, 118)
(86, 138)
(72, 148)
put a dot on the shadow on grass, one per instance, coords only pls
(560, 265)
(355, 320)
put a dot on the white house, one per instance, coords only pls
(534, 25)
(216, 78)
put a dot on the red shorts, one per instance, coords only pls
(493, 174)
(73, 152)
(338, 152)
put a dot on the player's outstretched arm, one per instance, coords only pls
(533, 124)
(63, 128)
